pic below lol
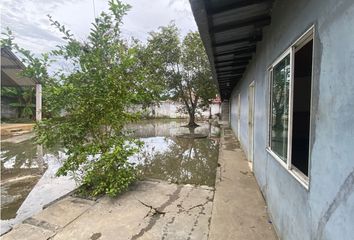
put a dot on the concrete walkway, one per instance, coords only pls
(151, 210)
(239, 210)
(157, 210)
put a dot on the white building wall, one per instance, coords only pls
(169, 109)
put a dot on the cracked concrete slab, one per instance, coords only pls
(150, 210)
(133, 215)
(63, 212)
(28, 232)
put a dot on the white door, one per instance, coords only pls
(251, 124)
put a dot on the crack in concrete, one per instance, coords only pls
(197, 218)
(173, 197)
(156, 210)
(41, 224)
(165, 229)
(82, 213)
(195, 206)
(342, 195)
(209, 223)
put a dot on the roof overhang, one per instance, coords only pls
(230, 30)
(11, 68)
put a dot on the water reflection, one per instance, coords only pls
(28, 180)
(169, 128)
(179, 160)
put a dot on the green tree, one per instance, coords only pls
(106, 77)
(22, 98)
(184, 67)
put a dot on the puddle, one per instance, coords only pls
(179, 160)
(168, 157)
(28, 179)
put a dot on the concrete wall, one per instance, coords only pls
(326, 209)
(169, 109)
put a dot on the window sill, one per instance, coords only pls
(299, 176)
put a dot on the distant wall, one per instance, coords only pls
(167, 128)
(169, 109)
(225, 110)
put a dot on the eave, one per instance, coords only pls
(230, 30)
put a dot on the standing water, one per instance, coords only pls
(176, 159)
(28, 180)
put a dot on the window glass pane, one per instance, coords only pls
(280, 108)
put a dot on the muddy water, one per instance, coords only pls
(28, 180)
(179, 160)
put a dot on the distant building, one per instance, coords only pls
(285, 74)
(11, 68)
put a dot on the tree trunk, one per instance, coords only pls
(191, 130)
(192, 119)
(278, 121)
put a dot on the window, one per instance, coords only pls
(290, 106)
(279, 107)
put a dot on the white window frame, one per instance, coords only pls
(298, 44)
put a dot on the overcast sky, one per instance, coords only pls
(31, 27)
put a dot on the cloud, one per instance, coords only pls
(32, 30)
(146, 16)
(29, 23)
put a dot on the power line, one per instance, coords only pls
(94, 8)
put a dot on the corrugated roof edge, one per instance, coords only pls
(200, 17)
(8, 51)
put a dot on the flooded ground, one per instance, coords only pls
(28, 179)
(179, 160)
